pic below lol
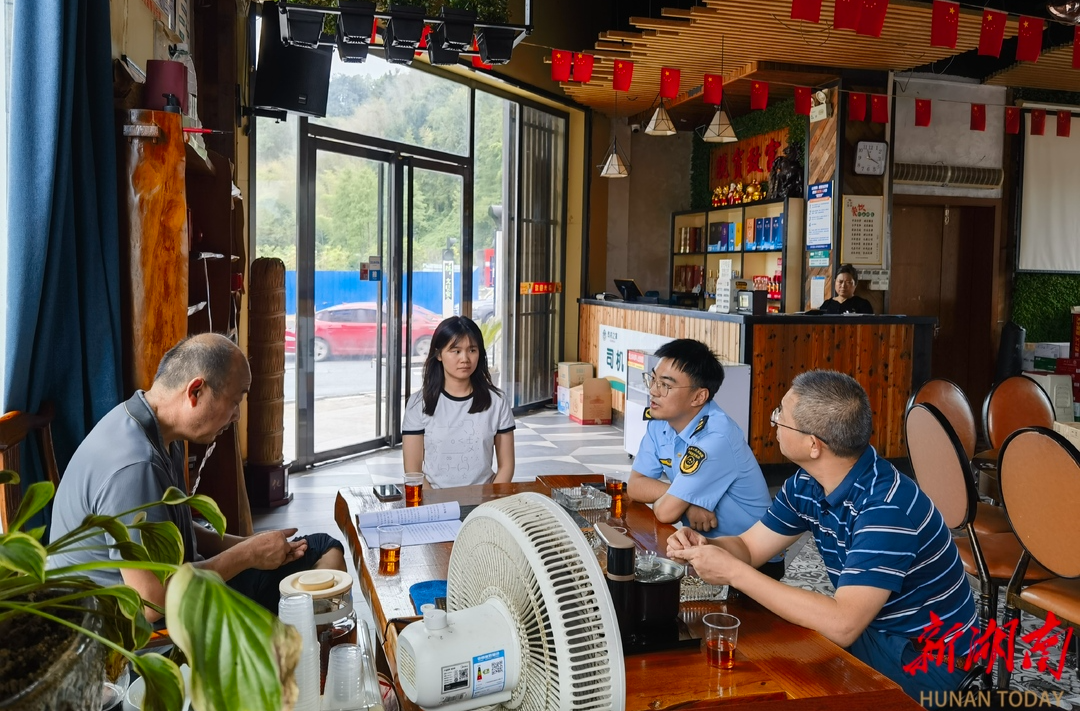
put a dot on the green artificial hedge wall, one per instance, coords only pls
(778, 116)
(1042, 302)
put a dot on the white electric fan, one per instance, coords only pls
(529, 622)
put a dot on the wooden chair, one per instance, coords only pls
(951, 401)
(1045, 520)
(14, 427)
(943, 472)
(1012, 404)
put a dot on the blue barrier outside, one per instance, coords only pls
(334, 287)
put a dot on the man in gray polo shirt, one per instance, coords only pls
(136, 452)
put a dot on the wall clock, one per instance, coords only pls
(870, 157)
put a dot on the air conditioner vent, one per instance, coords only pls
(947, 175)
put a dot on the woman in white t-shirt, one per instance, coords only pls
(453, 425)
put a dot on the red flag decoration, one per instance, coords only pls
(856, 106)
(1076, 48)
(846, 14)
(560, 65)
(978, 117)
(424, 38)
(1038, 122)
(922, 112)
(872, 17)
(1064, 123)
(1029, 43)
(992, 33)
(809, 10)
(1012, 119)
(759, 95)
(944, 23)
(802, 100)
(879, 108)
(714, 89)
(624, 73)
(669, 83)
(583, 66)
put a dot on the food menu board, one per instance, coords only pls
(862, 233)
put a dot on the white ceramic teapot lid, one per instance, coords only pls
(317, 583)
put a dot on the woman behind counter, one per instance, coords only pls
(459, 418)
(845, 301)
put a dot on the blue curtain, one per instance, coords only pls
(63, 320)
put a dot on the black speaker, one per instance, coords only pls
(289, 78)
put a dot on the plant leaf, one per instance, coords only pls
(23, 553)
(35, 498)
(162, 542)
(238, 651)
(130, 550)
(210, 511)
(110, 524)
(8, 477)
(36, 533)
(164, 684)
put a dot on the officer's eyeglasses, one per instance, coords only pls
(662, 386)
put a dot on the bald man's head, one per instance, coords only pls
(209, 356)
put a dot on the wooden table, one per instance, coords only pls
(777, 664)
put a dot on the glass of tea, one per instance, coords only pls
(721, 638)
(614, 485)
(389, 549)
(414, 489)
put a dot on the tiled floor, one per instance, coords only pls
(548, 443)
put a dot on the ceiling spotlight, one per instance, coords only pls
(1065, 11)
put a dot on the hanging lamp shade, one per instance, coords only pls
(614, 166)
(660, 124)
(719, 129)
(1065, 11)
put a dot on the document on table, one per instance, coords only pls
(435, 523)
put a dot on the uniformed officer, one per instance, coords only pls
(714, 484)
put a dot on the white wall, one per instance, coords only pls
(948, 140)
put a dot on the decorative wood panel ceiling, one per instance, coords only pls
(1052, 71)
(747, 33)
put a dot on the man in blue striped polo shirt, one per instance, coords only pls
(886, 548)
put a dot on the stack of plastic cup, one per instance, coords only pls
(297, 610)
(344, 679)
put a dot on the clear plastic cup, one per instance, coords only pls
(721, 638)
(390, 548)
(414, 489)
(345, 679)
(298, 610)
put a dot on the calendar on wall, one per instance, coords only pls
(862, 234)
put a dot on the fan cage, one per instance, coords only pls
(571, 654)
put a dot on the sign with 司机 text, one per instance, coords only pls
(613, 344)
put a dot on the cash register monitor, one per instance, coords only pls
(629, 289)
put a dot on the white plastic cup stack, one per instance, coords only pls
(344, 679)
(297, 610)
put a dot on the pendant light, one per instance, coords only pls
(614, 165)
(660, 124)
(720, 129)
(1065, 11)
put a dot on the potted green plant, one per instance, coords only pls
(205, 616)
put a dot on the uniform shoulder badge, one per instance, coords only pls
(692, 460)
(700, 425)
(665, 462)
(647, 415)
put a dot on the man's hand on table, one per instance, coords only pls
(713, 564)
(272, 549)
(700, 519)
(684, 538)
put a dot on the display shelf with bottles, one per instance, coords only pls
(760, 242)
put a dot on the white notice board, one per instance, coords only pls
(862, 232)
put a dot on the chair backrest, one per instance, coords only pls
(1013, 404)
(1039, 472)
(14, 427)
(939, 464)
(951, 401)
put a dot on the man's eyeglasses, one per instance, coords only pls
(775, 421)
(662, 387)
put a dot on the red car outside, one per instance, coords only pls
(350, 330)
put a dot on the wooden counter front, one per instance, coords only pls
(888, 355)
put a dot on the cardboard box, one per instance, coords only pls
(563, 395)
(1044, 365)
(590, 402)
(572, 374)
(1027, 357)
(1074, 349)
(1069, 430)
(1051, 350)
(1067, 366)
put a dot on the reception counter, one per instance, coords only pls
(888, 355)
